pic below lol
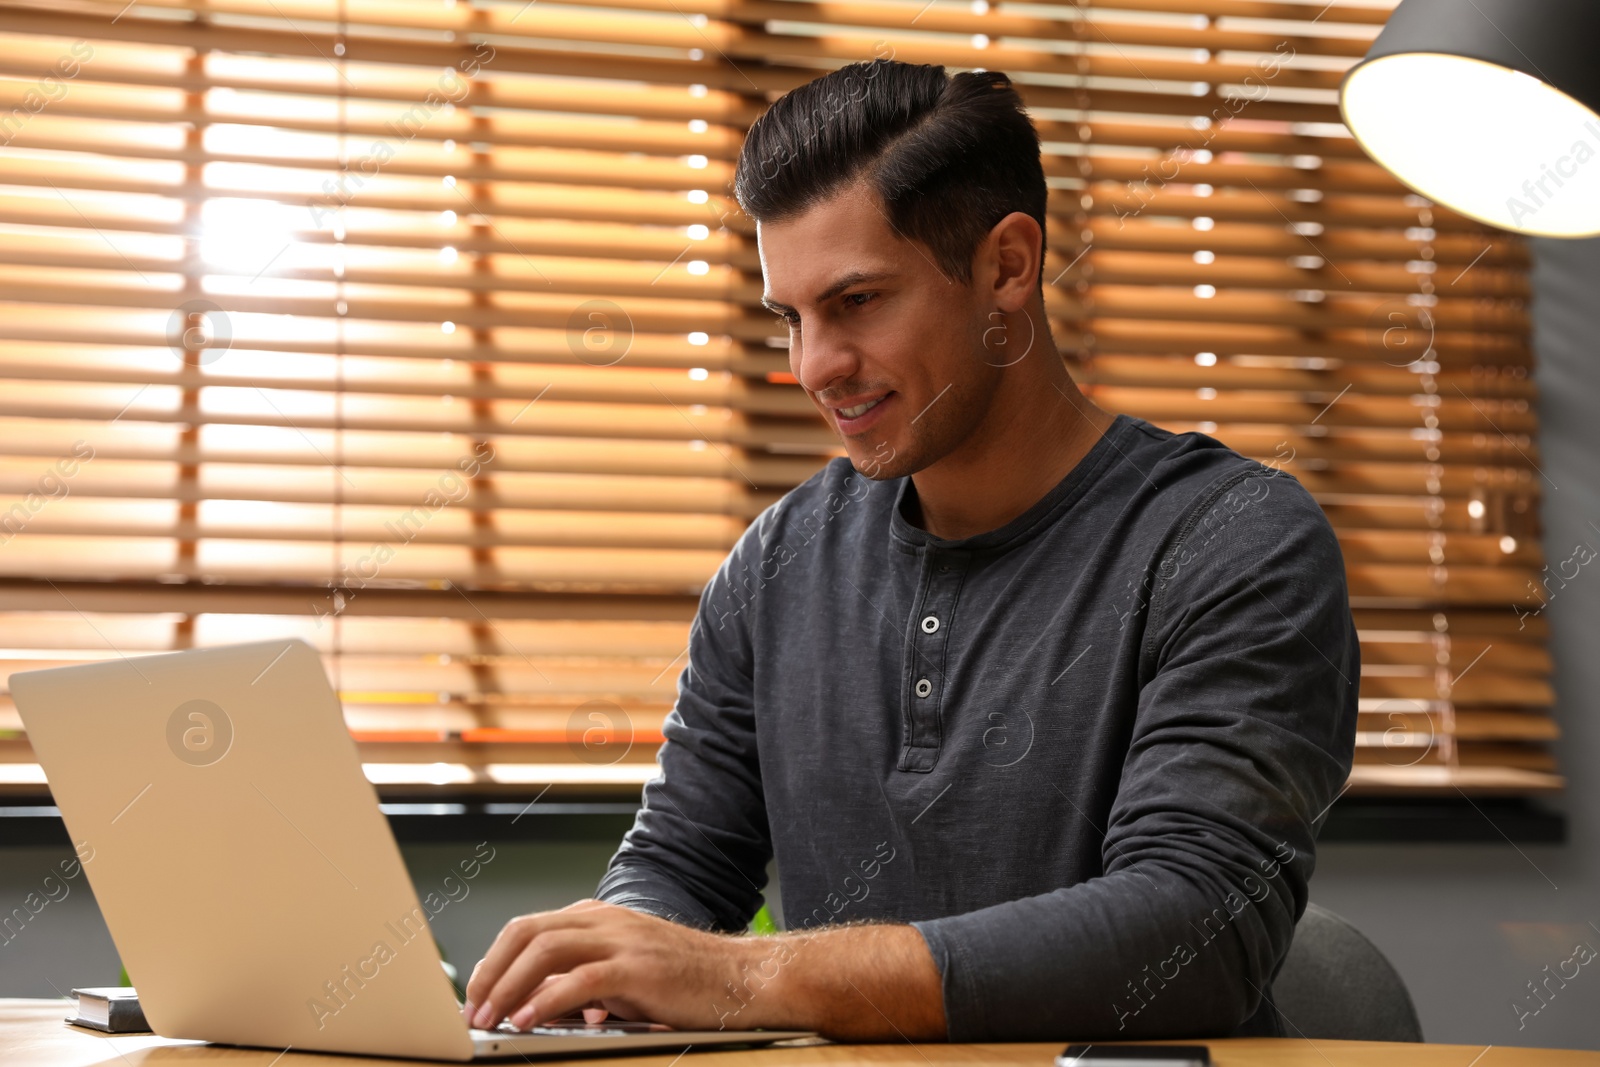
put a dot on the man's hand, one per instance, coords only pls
(864, 982)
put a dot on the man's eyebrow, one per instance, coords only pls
(855, 277)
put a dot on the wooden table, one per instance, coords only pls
(32, 1034)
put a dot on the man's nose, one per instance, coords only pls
(818, 357)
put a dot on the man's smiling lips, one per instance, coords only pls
(856, 414)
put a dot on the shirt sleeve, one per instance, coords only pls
(700, 844)
(1243, 735)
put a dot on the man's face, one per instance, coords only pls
(888, 350)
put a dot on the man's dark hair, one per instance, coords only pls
(948, 155)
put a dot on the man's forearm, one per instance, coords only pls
(864, 982)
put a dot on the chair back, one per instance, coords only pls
(1336, 984)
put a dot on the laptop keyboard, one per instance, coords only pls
(579, 1028)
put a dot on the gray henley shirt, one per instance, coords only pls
(1084, 754)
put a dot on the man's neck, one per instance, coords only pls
(989, 482)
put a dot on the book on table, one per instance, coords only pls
(112, 1009)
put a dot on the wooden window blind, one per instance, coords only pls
(428, 331)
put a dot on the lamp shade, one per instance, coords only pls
(1489, 107)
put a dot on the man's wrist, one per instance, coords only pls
(747, 994)
(866, 982)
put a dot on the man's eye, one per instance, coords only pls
(866, 297)
(789, 318)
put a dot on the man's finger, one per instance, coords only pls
(513, 938)
(563, 994)
(550, 953)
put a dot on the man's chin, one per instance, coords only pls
(878, 464)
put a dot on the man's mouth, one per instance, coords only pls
(861, 409)
(853, 419)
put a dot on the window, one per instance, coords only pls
(430, 332)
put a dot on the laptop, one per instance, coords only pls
(248, 877)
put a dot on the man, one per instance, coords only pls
(1037, 708)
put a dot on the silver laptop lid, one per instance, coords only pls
(251, 883)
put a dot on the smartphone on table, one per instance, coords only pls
(1134, 1056)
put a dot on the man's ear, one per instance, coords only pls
(1012, 257)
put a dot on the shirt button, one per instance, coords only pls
(924, 687)
(930, 624)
